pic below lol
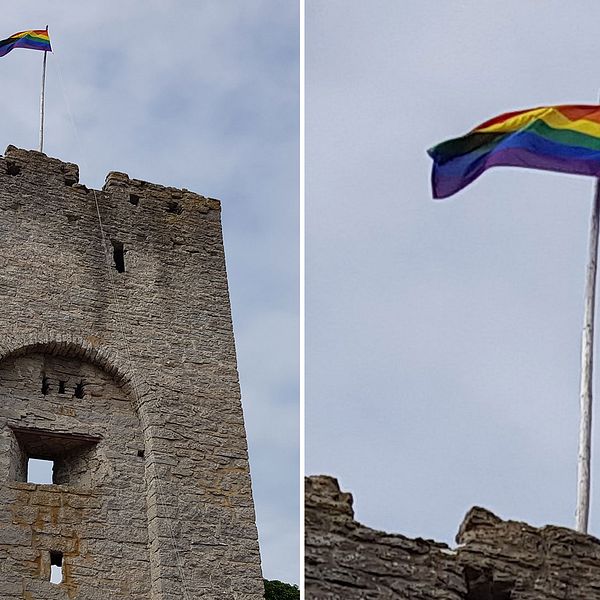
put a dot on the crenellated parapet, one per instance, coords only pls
(494, 559)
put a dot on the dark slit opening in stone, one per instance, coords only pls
(79, 390)
(118, 256)
(45, 385)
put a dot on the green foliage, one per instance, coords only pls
(277, 590)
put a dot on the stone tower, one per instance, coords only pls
(117, 363)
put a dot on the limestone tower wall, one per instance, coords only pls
(117, 363)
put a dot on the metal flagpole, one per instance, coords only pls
(587, 356)
(42, 100)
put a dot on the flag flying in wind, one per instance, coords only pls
(35, 39)
(562, 138)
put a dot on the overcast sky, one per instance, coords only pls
(443, 338)
(202, 95)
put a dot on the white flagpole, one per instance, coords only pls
(42, 100)
(587, 356)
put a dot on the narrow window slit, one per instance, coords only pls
(61, 387)
(56, 567)
(45, 385)
(118, 256)
(79, 391)
(134, 199)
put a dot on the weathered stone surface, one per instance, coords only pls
(495, 559)
(127, 380)
(344, 559)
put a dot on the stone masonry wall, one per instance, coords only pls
(102, 489)
(152, 496)
(494, 559)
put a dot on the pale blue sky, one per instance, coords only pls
(443, 338)
(202, 95)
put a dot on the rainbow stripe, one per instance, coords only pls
(554, 138)
(35, 39)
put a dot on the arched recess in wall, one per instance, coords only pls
(67, 403)
(75, 347)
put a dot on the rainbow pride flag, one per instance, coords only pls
(562, 138)
(34, 39)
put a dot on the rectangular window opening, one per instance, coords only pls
(79, 390)
(46, 457)
(40, 471)
(118, 255)
(56, 567)
(45, 385)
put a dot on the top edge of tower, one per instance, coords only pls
(17, 161)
